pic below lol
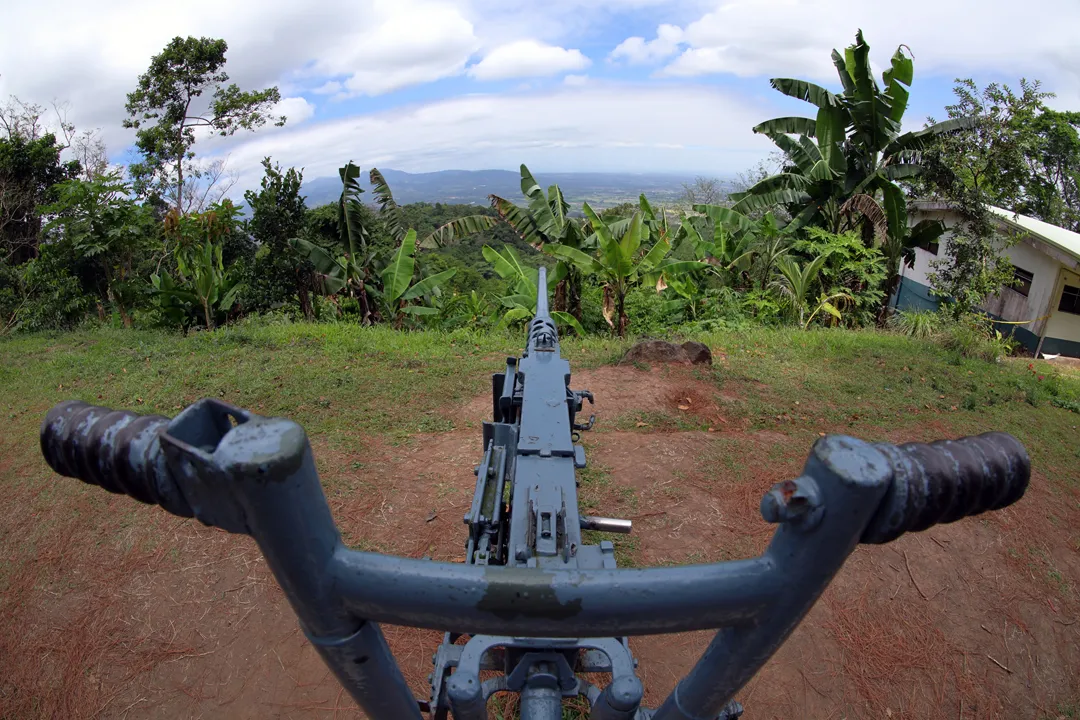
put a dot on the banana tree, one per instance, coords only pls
(546, 221)
(734, 241)
(852, 147)
(621, 264)
(399, 288)
(795, 285)
(721, 237)
(688, 296)
(656, 223)
(205, 285)
(394, 219)
(520, 302)
(350, 266)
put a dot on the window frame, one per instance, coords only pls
(1074, 292)
(934, 248)
(1024, 289)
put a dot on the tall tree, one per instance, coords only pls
(278, 212)
(104, 234)
(703, 191)
(982, 164)
(168, 107)
(1052, 193)
(30, 166)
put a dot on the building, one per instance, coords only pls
(1046, 259)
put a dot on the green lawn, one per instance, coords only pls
(342, 379)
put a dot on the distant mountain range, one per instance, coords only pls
(473, 187)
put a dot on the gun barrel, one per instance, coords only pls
(541, 294)
(605, 524)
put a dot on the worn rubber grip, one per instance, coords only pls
(948, 480)
(118, 450)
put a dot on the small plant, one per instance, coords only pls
(974, 336)
(920, 324)
(521, 301)
(398, 286)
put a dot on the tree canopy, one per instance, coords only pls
(167, 109)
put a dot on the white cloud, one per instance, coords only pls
(605, 127)
(405, 42)
(92, 54)
(795, 37)
(330, 87)
(295, 109)
(527, 58)
(637, 50)
(323, 50)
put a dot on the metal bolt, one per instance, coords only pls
(521, 554)
(793, 501)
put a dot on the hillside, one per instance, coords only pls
(474, 186)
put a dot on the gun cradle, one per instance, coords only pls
(525, 514)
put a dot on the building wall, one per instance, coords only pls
(1011, 305)
(1062, 330)
(1064, 326)
(920, 271)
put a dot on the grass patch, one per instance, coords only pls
(350, 385)
(868, 383)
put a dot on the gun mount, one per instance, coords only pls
(532, 600)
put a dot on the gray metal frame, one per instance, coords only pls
(556, 604)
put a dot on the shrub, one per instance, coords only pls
(974, 336)
(51, 297)
(917, 323)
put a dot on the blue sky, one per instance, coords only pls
(563, 85)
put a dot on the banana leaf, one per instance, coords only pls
(431, 282)
(787, 126)
(806, 91)
(398, 274)
(392, 216)
(565, 318)
(583, 261)
(521, 221)
(457, 229)
(419, 310)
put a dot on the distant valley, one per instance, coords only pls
(473, 187)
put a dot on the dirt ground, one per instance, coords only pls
(163, 618)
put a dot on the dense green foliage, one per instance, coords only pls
(1012, 152)
(819, 243)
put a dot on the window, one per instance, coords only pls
(930, 247)
(1070, 300)
(1022, 281)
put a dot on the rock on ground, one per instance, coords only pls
(660, 351)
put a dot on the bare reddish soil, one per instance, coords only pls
(131, 613)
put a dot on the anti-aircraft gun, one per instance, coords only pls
(532, 607)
